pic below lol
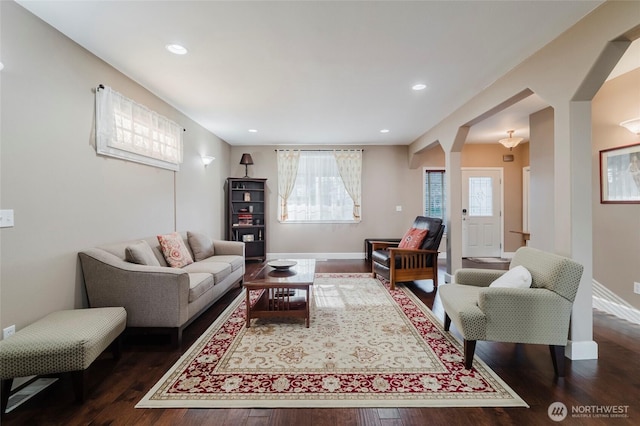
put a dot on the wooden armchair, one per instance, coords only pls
(408, 264)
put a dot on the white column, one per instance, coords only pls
(581, 344)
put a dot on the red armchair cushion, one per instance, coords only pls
(413, 238)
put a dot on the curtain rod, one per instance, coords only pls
(318, 150)
(101, 86)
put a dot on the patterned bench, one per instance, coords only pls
(63, 341)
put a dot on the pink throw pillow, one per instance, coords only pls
(174, 250)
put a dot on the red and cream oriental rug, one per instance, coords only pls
(366, 346)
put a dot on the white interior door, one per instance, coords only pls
(481, 213)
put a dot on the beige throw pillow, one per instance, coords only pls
(174, 250)
(201, 245)
(141, 253)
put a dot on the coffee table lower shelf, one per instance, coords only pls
(278, 301)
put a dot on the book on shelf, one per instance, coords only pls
(245, 219)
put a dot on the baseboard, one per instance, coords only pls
(607, 301)
(325, 256)
(581, 350)
(317, 256)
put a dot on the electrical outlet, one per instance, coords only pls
(9, 331)
(636, 288)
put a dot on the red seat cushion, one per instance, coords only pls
(413, 238)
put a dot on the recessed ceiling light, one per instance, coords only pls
(384, 131)
(253, 131)
(419, 86)
(177, 49)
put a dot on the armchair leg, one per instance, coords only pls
(469, 350)
(447, 322)
(435, 276)
(557, 357)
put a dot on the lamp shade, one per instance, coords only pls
(246, 159)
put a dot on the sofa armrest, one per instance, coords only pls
(153, 296)
(477, 277)
(525, 315)
(228, 247)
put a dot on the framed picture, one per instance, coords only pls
(620, 175)
(247, 238)
(247, 196)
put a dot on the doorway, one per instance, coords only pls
(481, 212)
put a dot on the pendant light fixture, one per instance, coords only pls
(510, 142)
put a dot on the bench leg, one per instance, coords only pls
(6, 391)
(78, 379)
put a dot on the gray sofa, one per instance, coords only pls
(162, 298)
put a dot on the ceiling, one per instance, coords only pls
(319, 72)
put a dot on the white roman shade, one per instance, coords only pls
(128, 130)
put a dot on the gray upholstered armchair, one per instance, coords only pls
(536, 315)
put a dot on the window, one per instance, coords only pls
(326, 184)
(128, 130)
(434, 194)
(480, 196)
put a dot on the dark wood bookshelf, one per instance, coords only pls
(246, 215)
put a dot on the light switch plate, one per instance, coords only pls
(6, 218)
(636, 288)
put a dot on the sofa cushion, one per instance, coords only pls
(236, 262)
(201, 245)
(199, 284)
(174, 250)
(219, 270)
(413, 238)
(141, 254)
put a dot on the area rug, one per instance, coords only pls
(367, 346)
(488, 260)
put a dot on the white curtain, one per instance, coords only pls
(288, 161)
(128, 130)
(350, 167)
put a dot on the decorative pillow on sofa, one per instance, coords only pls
(201, 245)
(518, 277)
(141, 254)
(174, 250)
(413, 238)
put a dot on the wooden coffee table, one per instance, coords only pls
(285, 293)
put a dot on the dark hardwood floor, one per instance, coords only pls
(115, 388)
